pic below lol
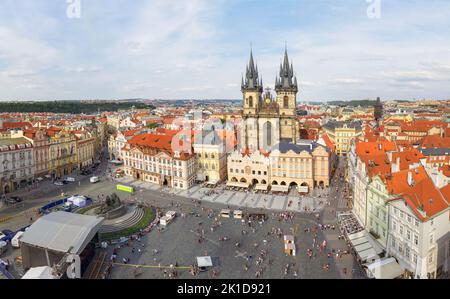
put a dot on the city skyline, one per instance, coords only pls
(199, 49)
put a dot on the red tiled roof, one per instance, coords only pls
(407, 157)
(422, 195)
(435, 141)
(328, 142)
(159, 142)
(374, 148)
(16, 125)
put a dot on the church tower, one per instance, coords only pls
(251, 88)
(286, 88)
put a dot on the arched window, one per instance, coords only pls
(268, 129)
(250, 101)
(286, 102)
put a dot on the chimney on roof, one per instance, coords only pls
(379, 146)
(396, 166)
(411, 182)
(389, 155)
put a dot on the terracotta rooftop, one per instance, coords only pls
(421, 196)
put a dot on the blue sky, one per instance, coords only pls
(199, 49)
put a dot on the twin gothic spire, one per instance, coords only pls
(252, 80)
(286, 81)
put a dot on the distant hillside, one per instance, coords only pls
(355, 103)
(74, 107)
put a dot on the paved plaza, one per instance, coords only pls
(293, 202)
(178, 244)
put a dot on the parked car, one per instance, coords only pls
(15, 198)
(94, 179)
(39, 179)
(59, 183)
(7, 235)
(15, 242)
(3, 247)
(47, 176)
(10, 201)
(70, 179)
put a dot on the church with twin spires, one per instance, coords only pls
(270, 154)
(267, 121)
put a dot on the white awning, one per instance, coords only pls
(280, 188)
(387, 268)
(261, 187)
(212, 182)
(365, 246)
(39, 273)
(201, 177)
(238, 184)
(204, 261)
(303, 189)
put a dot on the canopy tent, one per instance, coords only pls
(204, 261)
(62, 232)
(280, 188)
(261, 187)
(362, 247)
(78, 200)
(201, 177)
(238, 184)
(359, 241)
(365, 246)
(387, 268)
(39, 273)
(212, 182)
(357, 235)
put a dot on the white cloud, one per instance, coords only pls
(345, 81)
(91, 69)
(24, 51)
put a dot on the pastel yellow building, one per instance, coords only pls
(62, 153)
(342, 134)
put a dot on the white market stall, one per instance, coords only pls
(78, 200)
(386, 268)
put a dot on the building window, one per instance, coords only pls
(416, 240)
(268, 127)
(286, 102)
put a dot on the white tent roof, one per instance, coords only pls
(387, 268)
(39, 273)
(280, 188)
(364, 244)
(62, 232)
(238, 184)
(204, 261)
